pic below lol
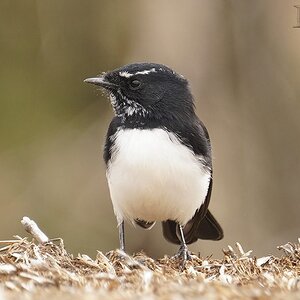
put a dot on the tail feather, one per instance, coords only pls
(207, 228)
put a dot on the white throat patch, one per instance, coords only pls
(127, 107)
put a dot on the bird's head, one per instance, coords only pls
(145, 89)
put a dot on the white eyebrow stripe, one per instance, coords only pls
(128, 75)
(125, 74)
(153, 70)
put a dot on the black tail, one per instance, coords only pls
(205, 228)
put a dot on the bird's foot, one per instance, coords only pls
(183, 254)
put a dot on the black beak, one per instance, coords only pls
(100, 81)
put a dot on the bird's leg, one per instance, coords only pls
(183, 251)
(122, 236)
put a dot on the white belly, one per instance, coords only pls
(153, 177)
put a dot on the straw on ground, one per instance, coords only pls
(43, 268)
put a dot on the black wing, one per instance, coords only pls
(112, 129)
(203, 225)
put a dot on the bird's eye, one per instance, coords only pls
(135, 84)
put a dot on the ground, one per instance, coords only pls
(31, 270)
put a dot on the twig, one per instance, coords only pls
(31, 227)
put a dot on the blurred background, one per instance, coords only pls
(243, 62)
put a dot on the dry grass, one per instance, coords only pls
(46, 270)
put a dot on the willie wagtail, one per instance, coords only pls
(158, 155)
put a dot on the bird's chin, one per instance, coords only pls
(125, 107)
(112, 98)
(114, 103)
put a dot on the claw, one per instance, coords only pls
(183, 252)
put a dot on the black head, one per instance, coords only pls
(146, 90)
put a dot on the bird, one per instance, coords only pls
(158, 155)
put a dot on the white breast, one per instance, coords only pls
(153, 177)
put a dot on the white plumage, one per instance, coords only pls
(153, 177)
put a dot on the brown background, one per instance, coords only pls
(243, 62)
